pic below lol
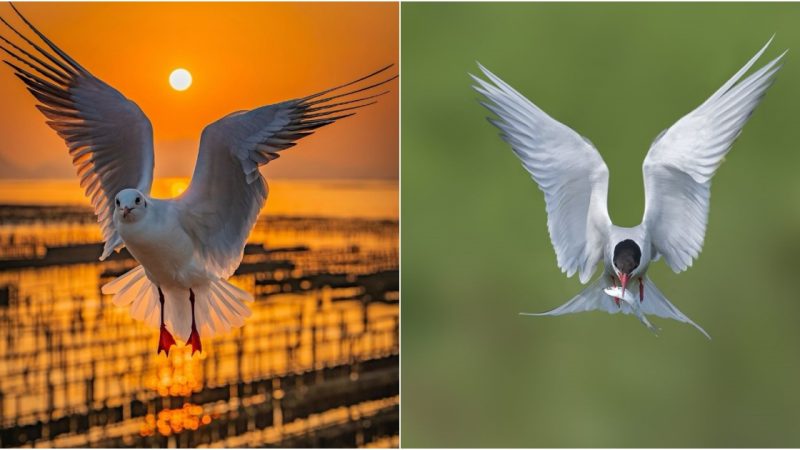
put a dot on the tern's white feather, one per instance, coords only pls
(679, 166)
(567, 168)
(677, 175)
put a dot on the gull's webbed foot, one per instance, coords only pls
(194, 341)
(165, 340)
(194, 336)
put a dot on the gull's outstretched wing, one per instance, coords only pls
(567, 168)
(109, 138)
(683, 159)
(227, 190)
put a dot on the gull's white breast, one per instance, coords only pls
(163, 248)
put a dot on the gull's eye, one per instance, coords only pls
(117, 202)
(138, 200)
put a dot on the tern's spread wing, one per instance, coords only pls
(109, 138)
(566, 167)
(227, 190)
(679, 166)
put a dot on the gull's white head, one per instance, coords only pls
(131, 205)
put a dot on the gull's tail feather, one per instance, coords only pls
(593, 297)
(135, 289)
(219, 305)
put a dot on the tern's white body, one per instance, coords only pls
(677, 177)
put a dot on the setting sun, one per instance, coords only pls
(180, 79)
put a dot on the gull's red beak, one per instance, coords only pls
(623, 278)
(125, 211)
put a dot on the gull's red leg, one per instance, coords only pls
(641, 290)
(614, 282)
(165, 339)
(194, 337)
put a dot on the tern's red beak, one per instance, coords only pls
(623, 278)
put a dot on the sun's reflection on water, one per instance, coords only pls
(169, 421)
(177, 375)
(77, 371)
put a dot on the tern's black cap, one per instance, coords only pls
(627, 256)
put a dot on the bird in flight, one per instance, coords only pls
(677, 181)
(187, 246)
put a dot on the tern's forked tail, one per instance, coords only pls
(593, 297)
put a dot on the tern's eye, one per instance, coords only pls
(117, 202)
(138, 200)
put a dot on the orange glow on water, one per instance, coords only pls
(177, 375)
(92, 356)
(170, 421)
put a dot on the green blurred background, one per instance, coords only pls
(475, 249)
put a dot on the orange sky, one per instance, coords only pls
(241, 55)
